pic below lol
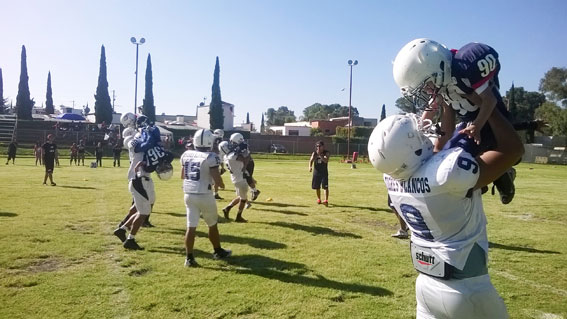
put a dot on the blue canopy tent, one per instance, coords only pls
(70, 117)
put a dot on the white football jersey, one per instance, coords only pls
(135, 158)
(439, 206)
(196, 165)
(235, 167)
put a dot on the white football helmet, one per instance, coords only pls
(128, 119)
(418, 62)
(398, 146)
(128, 131)
(224, 148)
(218, 132)
(164, 171)
(236, 138)
(203, 138)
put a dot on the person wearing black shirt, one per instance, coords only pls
(98, 154)
(12, 148)
(81, 148)
(319, 160)
(49, 150)
(116, 150)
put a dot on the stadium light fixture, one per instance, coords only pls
(134, 41)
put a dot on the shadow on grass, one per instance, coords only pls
(277, 204)
(317, 230)
(77, 187)
(174, 214)
(253, 242)
(295, 273)
(279, 211)
(177, 250)
(372, 209)
(6, 214)
(524, 249)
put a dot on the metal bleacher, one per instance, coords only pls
(7, 127)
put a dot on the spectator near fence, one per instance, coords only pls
(12, 149)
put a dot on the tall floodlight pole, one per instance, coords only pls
(351, 64)
(142, 41)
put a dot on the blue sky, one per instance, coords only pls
(272, 53)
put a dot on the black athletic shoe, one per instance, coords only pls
(225, 212)
(147, 224)
(217, 196)
(132, 244)
(255, 194)
(222, 253)
(121, 234)
(191, 262)
(505, 186)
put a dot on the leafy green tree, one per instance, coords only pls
(320, 111)
(216, 114)
(2, 100)
(24, 104)
(103, 108)
(49, 109)
(554, 116)
(554, 85)
(262, 127)
(383, 115)
(148, 108)
(522, 104)
(315, 131)
(280, 116)
(405, 105)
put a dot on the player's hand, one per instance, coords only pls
(310, 169)
(472, 132)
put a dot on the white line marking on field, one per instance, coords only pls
(531, 283)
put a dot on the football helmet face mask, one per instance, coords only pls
(224, 148)
(128, 131)
(421, 69)
(398, 145)
(128, 119)
(236, 138)
(218, 132)
(142, 121)
(203, 139)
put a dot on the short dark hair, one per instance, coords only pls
(320, 143)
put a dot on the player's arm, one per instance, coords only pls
(447, 127)
(216, 176)
(486, 102)
(311, 160)
(325, 156)
(509, 149)
(182, 171)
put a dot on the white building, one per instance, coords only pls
(203, 117)
(292, 129)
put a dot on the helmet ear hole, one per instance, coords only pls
(418, 152)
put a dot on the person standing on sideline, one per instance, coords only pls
(235, 165)
(440, 198)
(319, 160)
(74, 151)
(81, 148)
(116, 150)
(49, 152)
(12, 149)
(98, 154)
(199, 170)
(37, 152)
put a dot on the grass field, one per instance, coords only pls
(293, 259)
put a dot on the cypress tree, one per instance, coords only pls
(148, 108)
(262, 127)
(103, 108)
(216, 114)
(2, 101)
(24, 104)
(49, 96)
(383, 115)
(512, 108)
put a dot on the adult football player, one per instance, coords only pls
(199, 169)
(235, 164)
(430, 75)
(439, 198)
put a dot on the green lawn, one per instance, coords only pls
(293, 259)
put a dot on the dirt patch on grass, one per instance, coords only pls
(45, 265)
